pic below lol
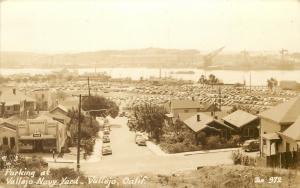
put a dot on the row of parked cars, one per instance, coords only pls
(106, 148)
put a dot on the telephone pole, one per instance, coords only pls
(89, 86)
(79, 131)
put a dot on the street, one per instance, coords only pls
(128, 158)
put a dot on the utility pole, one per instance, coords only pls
(89, 86)
(79, 134)
(79, 131)
(220, 97)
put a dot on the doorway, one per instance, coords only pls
(38, 146)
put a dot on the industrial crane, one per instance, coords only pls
(209, 57)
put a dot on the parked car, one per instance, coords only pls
(106, 139)
(122, 114)
(251, 145)
(140, 140)
(106, 149)
(106, 132)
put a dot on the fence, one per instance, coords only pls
(284, 160)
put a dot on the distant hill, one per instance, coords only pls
(148, 57)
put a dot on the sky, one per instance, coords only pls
(59, 26)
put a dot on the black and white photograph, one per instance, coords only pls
(150, 93)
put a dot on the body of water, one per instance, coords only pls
(228, 76)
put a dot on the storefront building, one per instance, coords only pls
(42, 134)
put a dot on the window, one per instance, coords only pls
(16, 107)
(287, 147)
(264, 142)
(12, 142)
(198, 109)
(186, 111)
(5, 141)
(251, 132)
(246, 132)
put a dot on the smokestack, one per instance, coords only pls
(14, 91)
(198, 117)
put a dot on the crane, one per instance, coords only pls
(209, 57)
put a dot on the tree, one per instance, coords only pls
(272, 83)
(150, 118)
(100, 106)
(212, 80)
(202, 79)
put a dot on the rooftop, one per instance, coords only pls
(294, 130)
(190, 119)
(179, 104)
(10, 97)
(239, 118)
(286, 112)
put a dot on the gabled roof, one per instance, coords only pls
(179, 104)
(293, 131)
(239, 118)
(63, 108)
(190, 119)
(286, 112)
(7, 124)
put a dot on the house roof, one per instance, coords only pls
(286, 112)
(55, 116)
(10, 98)
(190, 119)
(293, 131)
(239, 118)
(179, 104)
(63, 108)
(7, 124)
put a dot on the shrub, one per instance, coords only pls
(212, 142)
(241, 159)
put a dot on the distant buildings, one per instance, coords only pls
(289, 85)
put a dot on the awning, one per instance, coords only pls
(169, 115)
(42, 137)
(271, 136)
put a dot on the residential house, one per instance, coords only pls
(201, 122)
(60, 113)
(14, 102)
(277, 130)
(174, 107)
(7, 133)
(244, 124)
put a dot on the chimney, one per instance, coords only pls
(198, 117)
(14, 91)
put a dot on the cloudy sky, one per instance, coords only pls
(73, 25)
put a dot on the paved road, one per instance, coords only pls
(129, 158)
